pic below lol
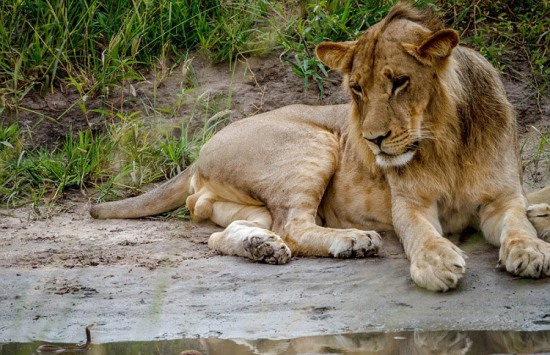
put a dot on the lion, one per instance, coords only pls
(427, 146)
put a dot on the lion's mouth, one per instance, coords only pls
(396, 160)
(412, 147)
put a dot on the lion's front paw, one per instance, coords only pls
(539, 215)
(268, 248)
(355, 244)
(525, 256)
(438, 265)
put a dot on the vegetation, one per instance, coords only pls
(131, 153)
(506, 31)
(92, 46)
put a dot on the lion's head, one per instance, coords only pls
(393, 71)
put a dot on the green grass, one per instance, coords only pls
(505, 31)
(535, 152)
(42, 175)
(135, 151)
(326, 20)
(92, 46)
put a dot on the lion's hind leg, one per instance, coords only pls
(504, 222)
(247, 233)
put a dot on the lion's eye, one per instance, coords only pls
(357, 89)
(399, 83)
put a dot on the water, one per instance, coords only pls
(441, 342)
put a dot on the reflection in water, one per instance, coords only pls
(65, 348)
(443, 342)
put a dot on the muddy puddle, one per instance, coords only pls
(411, 342)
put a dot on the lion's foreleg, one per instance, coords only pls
(504, 222)
(436, 263)
(247, 233)
(306, 238)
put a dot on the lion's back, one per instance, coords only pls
(259, 153)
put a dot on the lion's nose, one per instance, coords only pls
(377, 139)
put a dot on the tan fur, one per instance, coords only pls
(539, 215)
(426, 147)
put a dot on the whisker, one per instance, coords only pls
(424, 134)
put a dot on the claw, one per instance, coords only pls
(519, 267)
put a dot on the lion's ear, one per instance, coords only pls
(336, 55)
(436, 47)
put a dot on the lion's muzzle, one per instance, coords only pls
(391, 151)
(377, 139)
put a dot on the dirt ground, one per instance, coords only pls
(156, 279)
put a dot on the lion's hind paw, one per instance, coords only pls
(539, 215)
(267, 248)
(525, 257)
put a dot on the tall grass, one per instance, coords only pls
(535, 153)
(94, 44)
(327, 20)
(134, 150)
(505, 31)
(36, 175)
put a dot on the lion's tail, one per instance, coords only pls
(166, 197)
(539, 196)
